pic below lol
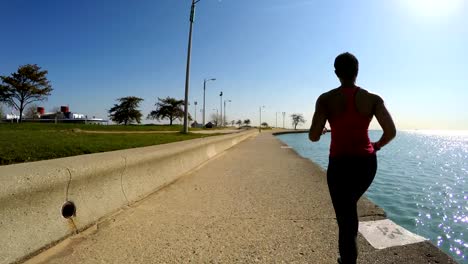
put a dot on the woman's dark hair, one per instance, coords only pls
(346, 66)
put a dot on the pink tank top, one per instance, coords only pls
(349, 130)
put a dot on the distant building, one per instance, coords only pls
(11, 116)
(64, 116)
(77, 116)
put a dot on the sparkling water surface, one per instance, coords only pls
(421, 183)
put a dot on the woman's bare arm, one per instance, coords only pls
(386, 122)
(318, 121)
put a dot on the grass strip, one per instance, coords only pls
(90, 127)
(19, 144)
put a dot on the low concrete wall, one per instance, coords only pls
(282, 132)
(32, 194)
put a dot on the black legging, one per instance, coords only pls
(348, 179)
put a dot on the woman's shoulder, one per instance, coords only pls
(372, 96)
(330, 93)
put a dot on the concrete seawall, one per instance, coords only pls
(282, 132)
(32, 194)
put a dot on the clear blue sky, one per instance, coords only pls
(277, 53)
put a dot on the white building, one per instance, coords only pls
(78, 116)
(12, 117)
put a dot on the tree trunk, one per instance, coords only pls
(295, 125)
(21, 112)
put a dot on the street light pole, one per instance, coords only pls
(276, 125)
(204, 91)
(284, 113)
(221, 107)
(195, 103)
(187, 72)
(217, 116)
(260, 126)
(225, 110)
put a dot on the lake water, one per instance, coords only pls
(421, 183)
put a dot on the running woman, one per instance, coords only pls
(352, 165)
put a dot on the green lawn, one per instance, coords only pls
(65, 126)
(33, 142)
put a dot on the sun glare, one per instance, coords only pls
(433, 8)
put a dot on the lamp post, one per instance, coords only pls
(195, 103)
(217, 116)
(276, 125)
(224, 119)
(284, 113)
(187, 72)
(221, 107)
(260, 126)
(204, 90)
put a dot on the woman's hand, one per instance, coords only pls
(376, 146)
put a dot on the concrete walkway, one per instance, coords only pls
(257, 202)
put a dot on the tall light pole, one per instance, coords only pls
(195, 103)
(217, 116)
(284, 113)
(276, 126)
(204, 90)
(224, 119)
(187, 72)
(221, 106)
(260, 126)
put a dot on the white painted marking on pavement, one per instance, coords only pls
(286, 147)
(385, 233)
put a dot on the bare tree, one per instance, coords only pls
(224, 120)
(297, 119)
(57, 113)
(216, 119)
(31, 112)
(239, 123)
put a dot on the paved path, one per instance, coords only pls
(257, 202)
